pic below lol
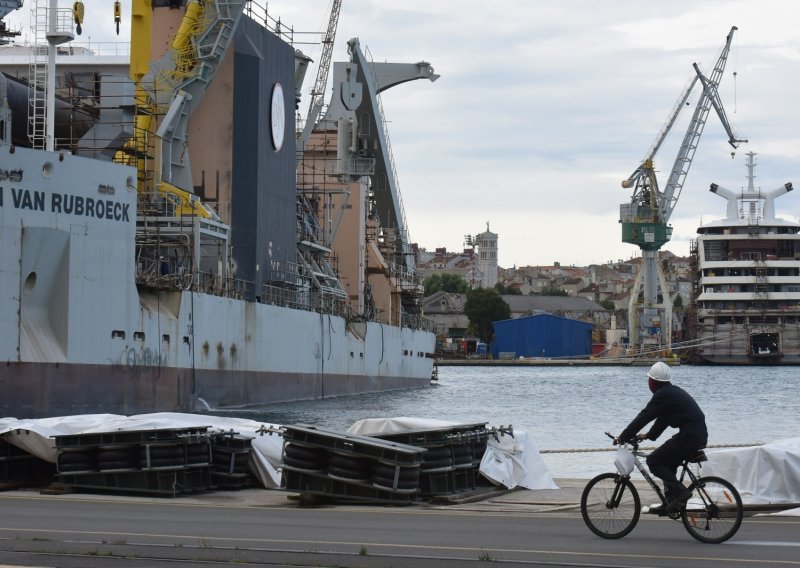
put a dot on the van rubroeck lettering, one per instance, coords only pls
(68, 204)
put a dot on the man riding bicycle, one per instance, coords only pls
(670, 406)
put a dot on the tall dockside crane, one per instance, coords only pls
(318, 91)
(645, 218)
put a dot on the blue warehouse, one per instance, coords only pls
(542, 335)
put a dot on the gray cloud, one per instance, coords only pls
(544, 107)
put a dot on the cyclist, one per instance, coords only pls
(674, 407)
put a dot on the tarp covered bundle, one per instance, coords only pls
(762, 474)
(36, 436)
(510, 460)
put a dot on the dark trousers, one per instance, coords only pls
(664, 461)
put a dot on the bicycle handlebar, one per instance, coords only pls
(633, 442)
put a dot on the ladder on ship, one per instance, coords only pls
(319, 270)
(50, 27)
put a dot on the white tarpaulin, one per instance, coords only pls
(511, 461)
(516, 462)
(762, 474)
(36, 436)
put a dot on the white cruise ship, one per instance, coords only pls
(746, 304)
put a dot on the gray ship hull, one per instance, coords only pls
(80, 336)
(34, 390)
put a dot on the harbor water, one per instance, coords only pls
(565, 409)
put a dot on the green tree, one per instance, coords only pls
(677, 303)
(553, 291)
(509, 290)
(608, 305)
(483, 307)
(450, 283)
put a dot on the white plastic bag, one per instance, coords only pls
(624, 461)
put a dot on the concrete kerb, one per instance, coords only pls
(565, 499)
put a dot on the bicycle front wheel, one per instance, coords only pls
(610, 505)
(714, 512)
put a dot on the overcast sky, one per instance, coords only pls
(544, 106)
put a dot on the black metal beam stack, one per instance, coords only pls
(166, 462)
(452, 459)
(349, 467)
(230, 457)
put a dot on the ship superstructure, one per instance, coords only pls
(162, 255)
(746, 306)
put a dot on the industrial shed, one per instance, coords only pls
(541, 335)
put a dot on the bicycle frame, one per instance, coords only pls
(685, 471)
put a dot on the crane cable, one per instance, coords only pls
(735, 73)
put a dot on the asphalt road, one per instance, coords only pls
(81, 531)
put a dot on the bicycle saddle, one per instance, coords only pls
(697, 457)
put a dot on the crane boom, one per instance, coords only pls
(683, 160)
(662, 134)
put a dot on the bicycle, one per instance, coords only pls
(611, 507)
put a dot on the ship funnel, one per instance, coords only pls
(732, 213)
(769, 199)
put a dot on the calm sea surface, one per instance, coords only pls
(567, 408)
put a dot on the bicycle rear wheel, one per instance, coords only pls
(610, 505)
(714, 512)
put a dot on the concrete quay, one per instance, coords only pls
(565, 499)
(544, 362)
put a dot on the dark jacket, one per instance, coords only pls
(674, 407)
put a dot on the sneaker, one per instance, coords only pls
(678, 501)
(654, 509)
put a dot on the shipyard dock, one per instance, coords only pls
(555, 362)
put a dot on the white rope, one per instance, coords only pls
(614, 449)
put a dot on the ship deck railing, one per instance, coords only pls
(165, 276)
(417, 321)
(303, 299)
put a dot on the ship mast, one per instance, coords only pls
(57, 33)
